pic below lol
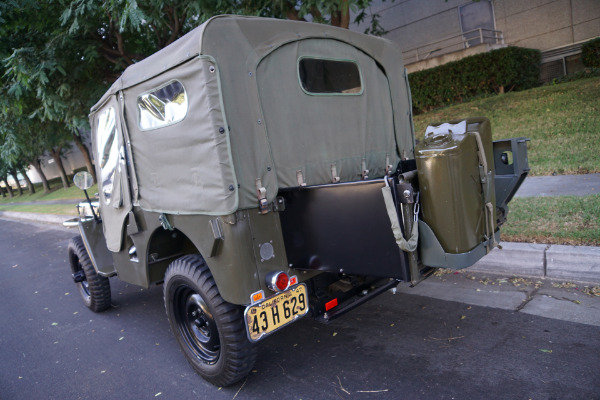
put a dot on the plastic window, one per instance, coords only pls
(108, 153)
(323, 76)
(163, 106)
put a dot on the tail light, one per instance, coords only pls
(278, 281)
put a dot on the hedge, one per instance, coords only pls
(497, 71)
(590, 53)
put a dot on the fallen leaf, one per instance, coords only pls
(54, 323)
(334, 333)
(463, 316)
(545, 351)
(121, 338)
(157, 394)
(15, 266)
(66, 294)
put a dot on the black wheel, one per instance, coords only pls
(94, 289)
(211, 332)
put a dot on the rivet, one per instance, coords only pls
(211, 68)
(259, 121)
(249, 73)
(268, 168)
(231, 188)
(221, 130)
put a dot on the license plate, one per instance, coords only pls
(275, 312)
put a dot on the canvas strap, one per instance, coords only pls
(406, 245)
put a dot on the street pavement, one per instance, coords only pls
(454, 336)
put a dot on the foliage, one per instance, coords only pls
(497, 71)
(59, 56)
(590, 53)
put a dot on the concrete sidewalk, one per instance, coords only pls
(560, 185)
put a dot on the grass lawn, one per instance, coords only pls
(562, 121)
(554, 220)
(61, 209)
(56, 193)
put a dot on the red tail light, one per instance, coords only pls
(278, 281)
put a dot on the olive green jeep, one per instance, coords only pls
(262, 170)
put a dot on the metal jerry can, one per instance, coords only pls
(455, 164)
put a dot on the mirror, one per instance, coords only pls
(83, 180)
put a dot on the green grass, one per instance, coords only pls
(554, 220)
(562, 121)
(57, 193)
(62, 209)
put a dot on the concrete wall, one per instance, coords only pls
(539, 24)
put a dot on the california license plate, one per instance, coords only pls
(276, 312)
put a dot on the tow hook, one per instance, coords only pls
(79, 276)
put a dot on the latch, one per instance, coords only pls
(365, 171)
(334, 175)
(261, 192)
(164, 221)
(300, 178)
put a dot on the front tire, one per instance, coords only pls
(210, 332)
(94, 289)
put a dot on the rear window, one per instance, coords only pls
(326, 76)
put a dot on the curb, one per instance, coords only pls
(572, 263)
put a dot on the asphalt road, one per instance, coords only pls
(396, 347)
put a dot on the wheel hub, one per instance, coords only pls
(197, 325)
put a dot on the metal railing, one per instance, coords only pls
(453, 43)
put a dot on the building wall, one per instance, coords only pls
(539, 24)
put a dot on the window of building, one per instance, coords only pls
(477, 23)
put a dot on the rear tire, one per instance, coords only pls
(210, 332)
(94, 289)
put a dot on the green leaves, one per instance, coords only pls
(511, 68)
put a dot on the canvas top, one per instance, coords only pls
(230, 112)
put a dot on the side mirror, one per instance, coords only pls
(83, 180)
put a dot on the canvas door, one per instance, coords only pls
(111, 167)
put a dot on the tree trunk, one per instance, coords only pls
(29, 183)
(8, 187)
(86, 155)
(13, 173)
(38, 168)
(55, 152)
(2, 191)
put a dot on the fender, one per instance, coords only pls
(95, 244)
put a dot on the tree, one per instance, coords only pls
(60, 56)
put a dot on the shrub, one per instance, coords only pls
(510, 68)
(590, 53)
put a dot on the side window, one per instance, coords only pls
(108, 153)
(163, 106)
(325, 76)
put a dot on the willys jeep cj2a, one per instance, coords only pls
(262, 170)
